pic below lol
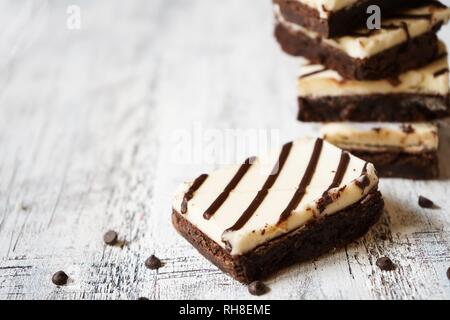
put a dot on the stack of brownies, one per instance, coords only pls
(377, 91)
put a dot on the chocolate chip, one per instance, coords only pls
(426, 203)
(110, 237)
(448, 273)
(408, 129)
(23, 207)
(362, 182)
(257, 288)
(386, 264)
(153, 263)
(394, 81)
(60, 278)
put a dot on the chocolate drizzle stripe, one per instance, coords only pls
(313, 73)
(258, 200)
(340, 171)
(364, 170)
(190, 193)
(440, 72)
(435, 4)
(390, 26)
(407, 128)
(304, 183)
(363, 181)
(220, 200)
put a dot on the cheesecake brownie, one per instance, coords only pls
(414, 96)
(397, 150)
(276, 210)
(406, 41)
(329, 18)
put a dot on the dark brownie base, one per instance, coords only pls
(395, 164)
(314, 239)
(388, 64)
(339, 23)
(374, 108)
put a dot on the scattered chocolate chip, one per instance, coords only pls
(448, 273)
(60, 278)
(408, 129)
(386, 264)
(257, 288)
(153, 263)
(426, 203)
(142, 298)
(110, 238)
(362, 182)
(384, 237)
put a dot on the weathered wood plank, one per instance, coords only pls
(88, 120)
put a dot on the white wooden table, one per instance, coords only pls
(88, 120)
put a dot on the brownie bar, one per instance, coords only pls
(389, 63)
(395, 164)
(340, 22)
(374, 107)
(314, 239)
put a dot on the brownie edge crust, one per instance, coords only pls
(310, 241)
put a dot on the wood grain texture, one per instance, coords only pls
(86, 124)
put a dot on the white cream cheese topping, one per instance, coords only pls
(265, 204)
